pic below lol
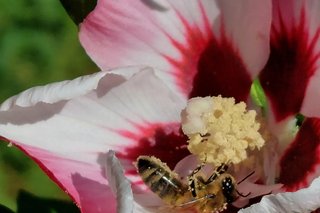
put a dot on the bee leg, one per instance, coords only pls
(198, 168)
(193, 183)
(220, 170)
(192, 186)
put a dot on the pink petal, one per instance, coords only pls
(300, 163)
(223, 41)
(309, 106)
(186, 165)
(236, 51)
(68, 127)
(304, 200)
(255, 190)
(80, 187)
(290, 78)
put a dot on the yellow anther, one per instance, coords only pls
(220, 130)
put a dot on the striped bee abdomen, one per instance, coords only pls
(159, 178)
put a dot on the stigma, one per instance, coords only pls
(220, 130)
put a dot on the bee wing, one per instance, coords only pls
(177, 185)
(195, 201)
(171, 209)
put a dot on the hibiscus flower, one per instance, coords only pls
(171, 51)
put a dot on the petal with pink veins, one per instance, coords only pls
(291, 76)
(300, 163)
(192, 42)
(68, 127)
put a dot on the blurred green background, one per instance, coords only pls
(38, 44)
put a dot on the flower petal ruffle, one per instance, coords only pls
(189, 43)
(68, 127)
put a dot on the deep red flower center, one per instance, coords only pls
(291, 64)
(156, 140)
(285, 78)
(208, 65)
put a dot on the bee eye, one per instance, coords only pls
(143, 165)
(227, 185)
(228, 188)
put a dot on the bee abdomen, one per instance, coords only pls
(159, 178)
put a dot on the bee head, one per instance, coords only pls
(143, 163)
(228, 189)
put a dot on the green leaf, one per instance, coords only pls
(27, 203)
(78, 9)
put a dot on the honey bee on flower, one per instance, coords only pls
(157, 55)
(233, 130)
(210, 195)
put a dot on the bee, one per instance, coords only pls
(209, 195)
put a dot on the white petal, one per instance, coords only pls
(302, 201)
(120, 185)
(51, 93)
(248, 24)
(68, 127)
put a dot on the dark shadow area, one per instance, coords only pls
(29, 115)
(108, 82)
(4, 209)
(27, 203)
(154, 5)
(78, 10)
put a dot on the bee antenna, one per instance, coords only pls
(242, 195)
(246, 177)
